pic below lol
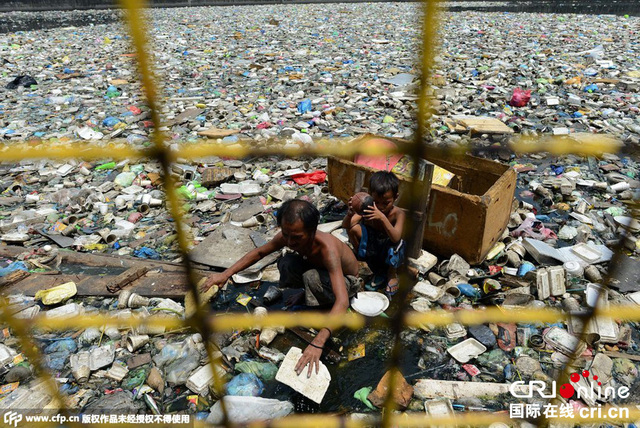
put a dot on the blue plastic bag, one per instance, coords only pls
(246, 385)
(13, 267)
(147, 253)
(304, 106)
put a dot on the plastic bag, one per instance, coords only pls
(520, 98)
(304, 106)
(315, 177)
(245, 385)
(533, 228)
(26, 81)
(13, 267)
(266, 371)
(243, 410)
(177, 372)
(125, 179)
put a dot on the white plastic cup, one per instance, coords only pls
(146, 199)
(102, 207)
(120, 202)
(592, 292)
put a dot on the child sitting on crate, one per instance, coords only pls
(375, 231)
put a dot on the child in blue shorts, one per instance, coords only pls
(376, 235)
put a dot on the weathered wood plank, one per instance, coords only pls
(126, 278)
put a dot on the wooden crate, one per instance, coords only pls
(467, 218)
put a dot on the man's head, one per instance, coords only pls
(298, 221)
(383, 186)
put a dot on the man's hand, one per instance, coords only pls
(311, 357)
(214, 279)
(373, 213)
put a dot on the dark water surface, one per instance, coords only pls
(23, 16)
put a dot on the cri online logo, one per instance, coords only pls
(522, 389)
(567, 390)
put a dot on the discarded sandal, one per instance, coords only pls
(506, 336)
(392, 287)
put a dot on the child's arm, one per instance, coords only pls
(351, 219)
(394, 231)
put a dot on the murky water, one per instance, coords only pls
(347, 376)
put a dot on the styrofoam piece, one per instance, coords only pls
(634, 297)
(66, 311)
(426, 289)
(434, 388)
(581, 218)
(556, 280)
(313, 387)
(250, 189)
(424, 263)
(593, 291)
(467, 350)
(230, 188)
(101, 357)
(455, 331)
(542, 284)
(330, 227)
(200, 379)
(117, 372)
(544, 252)
(439, 408)
(6, 354)
(586, 252)
(563, 341)
(341, 234)
(628, 222)
(247, 277)
(294, 171)
(604, 327)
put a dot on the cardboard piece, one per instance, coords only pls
(205, 297)
(212, 177)
(218, 133)
(184, 116)
(314, 387)
(483, 125)
(468, 217)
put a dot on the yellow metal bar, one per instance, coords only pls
(230, 322)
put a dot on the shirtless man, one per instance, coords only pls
(324, 266)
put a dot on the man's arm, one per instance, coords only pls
(253, 256)
(394, 231)
(311, 355)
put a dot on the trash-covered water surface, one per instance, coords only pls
(503, 228)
